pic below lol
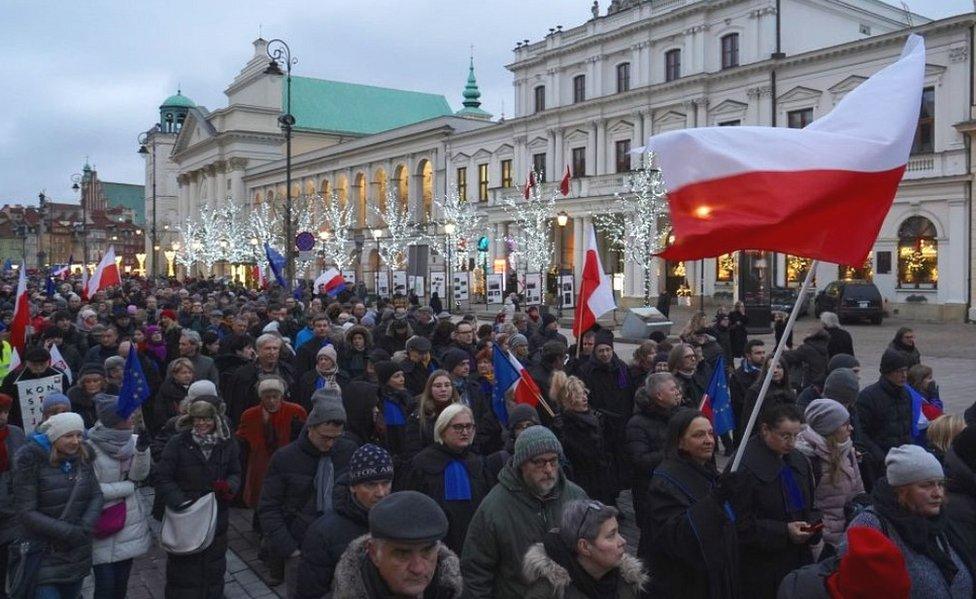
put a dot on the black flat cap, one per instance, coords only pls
(407, 516)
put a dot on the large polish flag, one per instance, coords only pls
(819, 192)
(106, 275)
(18, 326)
(596, 290)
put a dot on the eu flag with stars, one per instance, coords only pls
(277, 262)
(134, 389)
(717, 403)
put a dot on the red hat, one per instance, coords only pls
(6, 402)
(872, 567)
(168, 314)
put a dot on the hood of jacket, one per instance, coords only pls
(349, 582)
(538, 565)
(961, 477)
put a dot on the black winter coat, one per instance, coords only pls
(241, 392)
(776, 394)
(694, 547)
(83, 405)
(840, 342)
(416, 437)
(612, 393)
(739, 385)
(307, 355)
(767, 553)
(584, 437)
(302, 390)
(884, 416)
(693, 387)
(41, 492)
(488, 436)
(738, 335)
(396, 436)
(227, 365)
(646, 434)
(166, 404)
(427, 477)
(811, 357)
(961, 501)
(288, 504)
(9, 523)
(415, 375)
(325, 541)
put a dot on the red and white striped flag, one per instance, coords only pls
(106, 275)
(596, 290)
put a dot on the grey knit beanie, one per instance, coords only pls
(517, 340)
(825, 416)
(909, 464)
(327, 407)
(533, 442)
(842, 385)
(106, 408)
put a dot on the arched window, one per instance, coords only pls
(918, 254)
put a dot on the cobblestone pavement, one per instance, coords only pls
(950, 349)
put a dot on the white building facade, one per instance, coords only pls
(586, 96)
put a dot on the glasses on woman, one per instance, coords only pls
(463, 428)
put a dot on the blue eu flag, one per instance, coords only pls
(717, 403)
(134, 389)
(277, 262)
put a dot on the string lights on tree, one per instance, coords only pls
(533, 217)
(337, 234)
(399, 231)
(469, 225)
(638, 221)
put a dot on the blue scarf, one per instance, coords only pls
(795, 503)
(457, 485)
(393, 414)
(320, 382)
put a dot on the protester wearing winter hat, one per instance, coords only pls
(396, 405)
(871, 567)
(451, 473)
(548, 331)
(960, 470)
(55, 403)
(818, 388)
(907, 507)
(90, 382)
(200, 459)
(418, 365)
(36, 365)
(521, 417)
(884, 412)
(264, 429)
(300, 481)
(11, 440)
(324, 373)
(52, 465)
(826, 442)
(530, 493)
(519, 345)
(121, 460)
(368, 479)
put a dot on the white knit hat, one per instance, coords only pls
(202, 388)
(61, 424)
(909, 464)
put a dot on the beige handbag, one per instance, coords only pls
(190, 530)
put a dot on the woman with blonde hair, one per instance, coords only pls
(439, 392)
(582, 431)
(451, 473)
(941, 432)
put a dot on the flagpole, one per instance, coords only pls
(769, 371)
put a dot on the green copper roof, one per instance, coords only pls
(363, 109)
(129, 196)
(178, 100)
(472, 95)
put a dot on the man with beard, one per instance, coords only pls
(744, 376)
(516, 513)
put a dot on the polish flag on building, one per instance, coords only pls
(331, 282)
(529, 184)
(596, 290)
(106, 275)
(564, 184)
(18, 326)
(820, 192)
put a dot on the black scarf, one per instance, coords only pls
(584, 583)
(927, 536)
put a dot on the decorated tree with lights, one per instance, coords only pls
(400, 232)
(267, 224)
(469, 225)
(532, 242)
(339, 221)
(637, 221)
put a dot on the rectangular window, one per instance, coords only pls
(623, 155)
(540, 98)
(539, 165)
(462, 183)
(506, 173)
(730, 51)
(798, 119)
(483, 182)
(579, 88)
(925, 132)
(725, 268)
(623, 77)
(734, 123)
(579, 162)
(672, 64)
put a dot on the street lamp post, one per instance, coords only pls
(143, 138)
(75, 180)
(561, 219)
(377, 233)
(278, 51)
(449, 230)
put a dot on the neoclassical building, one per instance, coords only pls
(588, 95)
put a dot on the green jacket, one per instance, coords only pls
(507, 523)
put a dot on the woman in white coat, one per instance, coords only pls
(121, 459)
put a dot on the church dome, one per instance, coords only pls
(179, 100)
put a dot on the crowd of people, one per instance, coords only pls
(364, 434)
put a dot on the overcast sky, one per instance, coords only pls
(84, 78)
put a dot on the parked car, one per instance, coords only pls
(851, 300)
(781, 299)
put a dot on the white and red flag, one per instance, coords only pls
(529, 184)
(564, 184)
(106, 275)
(819, 192)
(596, 290)
(18, 326)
